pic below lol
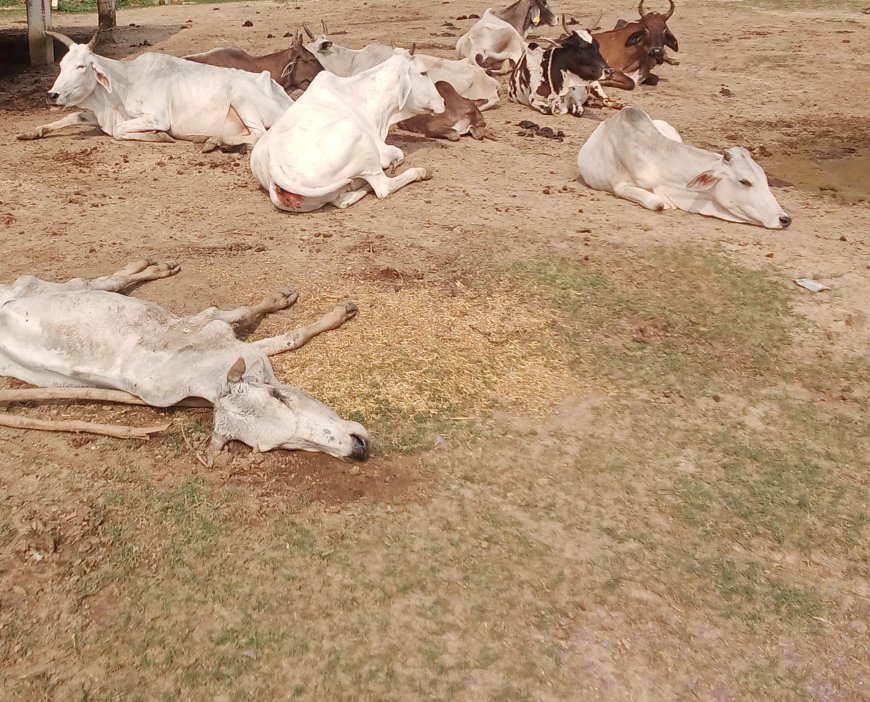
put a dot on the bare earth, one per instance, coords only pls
(619, 454)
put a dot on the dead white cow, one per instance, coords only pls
(645, 161)
(329, 147)
(82, 333)
(161, 98)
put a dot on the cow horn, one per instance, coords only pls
(412, 49)
(726, 155)
(323, 24)
(595, 23)
(671, 11)
(62, 38)
(565, 24)
(308, 31)
(640, 8)
(95, 39)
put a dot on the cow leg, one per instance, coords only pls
(68, 121)
(278, 300)
(351, 197)
(391, 156)
(384, 185)
(140, 271)
(250, 117)
(145, 128)
(642, 197)
(292, 340)
(598, 98)
(137, 272)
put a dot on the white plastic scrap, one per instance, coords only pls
(811, 285)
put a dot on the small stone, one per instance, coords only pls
(769, 254)
(717, 398)
(843, 237)
(247, 23)
(355, 470)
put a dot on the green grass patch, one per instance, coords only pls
(665, 318)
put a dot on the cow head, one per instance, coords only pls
(301, 66)
(268, 416)
(321, 45)
(525, 14)
(737, 187)
(79, 75)
(654, 33)
(578, 54)
(540, 13)
(417, 93)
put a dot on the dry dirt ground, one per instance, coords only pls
(619, 454)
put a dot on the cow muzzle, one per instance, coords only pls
(360, 451)
(52, 98)
(658, 55)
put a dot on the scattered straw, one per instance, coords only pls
(416, 351)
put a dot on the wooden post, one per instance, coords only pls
(38, 20)
(106, 14)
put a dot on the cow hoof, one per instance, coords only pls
(283, 298)
(209, 146)
(28, 136)
(348, 310)
(427, 174)
(452, 135)
(651, 79)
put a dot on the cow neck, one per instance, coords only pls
(117, 74)
(381, 103)
(517, 16)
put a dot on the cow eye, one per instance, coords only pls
(424, 73)
(746, 183)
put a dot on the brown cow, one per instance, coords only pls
(635, 48)
(291, 68)
(460, 116)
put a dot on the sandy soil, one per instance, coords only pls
(781, 82)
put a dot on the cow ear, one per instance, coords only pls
(671, 41)
(480, 102)
(325, 46)
(102, 78)
(703, 181)
(236, 371)
(635, 38)
(404, 90)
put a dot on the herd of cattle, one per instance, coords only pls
(329, 147)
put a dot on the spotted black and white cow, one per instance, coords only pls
(554, 80)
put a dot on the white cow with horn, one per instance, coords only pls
(644, 160)
(329, 147)
(82, 335)
(161, 98)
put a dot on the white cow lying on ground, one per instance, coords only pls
(156, 97)
(329, 147)
(498, 39)
(467, 78)
(342, 61)
(84, 334)
(638, 159)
